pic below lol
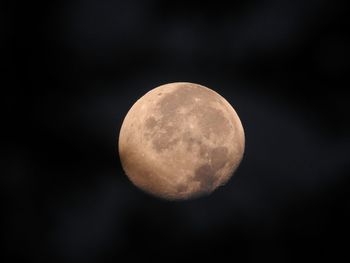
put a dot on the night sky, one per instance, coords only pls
(72, 70)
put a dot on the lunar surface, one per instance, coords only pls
(181, 141)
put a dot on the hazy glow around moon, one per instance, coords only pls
(181, 140)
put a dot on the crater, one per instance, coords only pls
(185, 95)
(205, 175)
(218, 157)
(190, 141)
(211, 120)
(163, 143)
(202, 151)
(150, 123)
(181, 188)
(174, 107)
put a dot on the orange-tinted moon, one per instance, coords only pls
(180, 141)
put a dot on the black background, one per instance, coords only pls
(74, 68)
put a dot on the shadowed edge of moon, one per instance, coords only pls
(207, 174)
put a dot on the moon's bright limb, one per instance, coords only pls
(181, 140)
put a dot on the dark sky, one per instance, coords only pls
(72, 69)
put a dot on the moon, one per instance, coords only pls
(181, 141)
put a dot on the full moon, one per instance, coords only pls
(181, 141)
